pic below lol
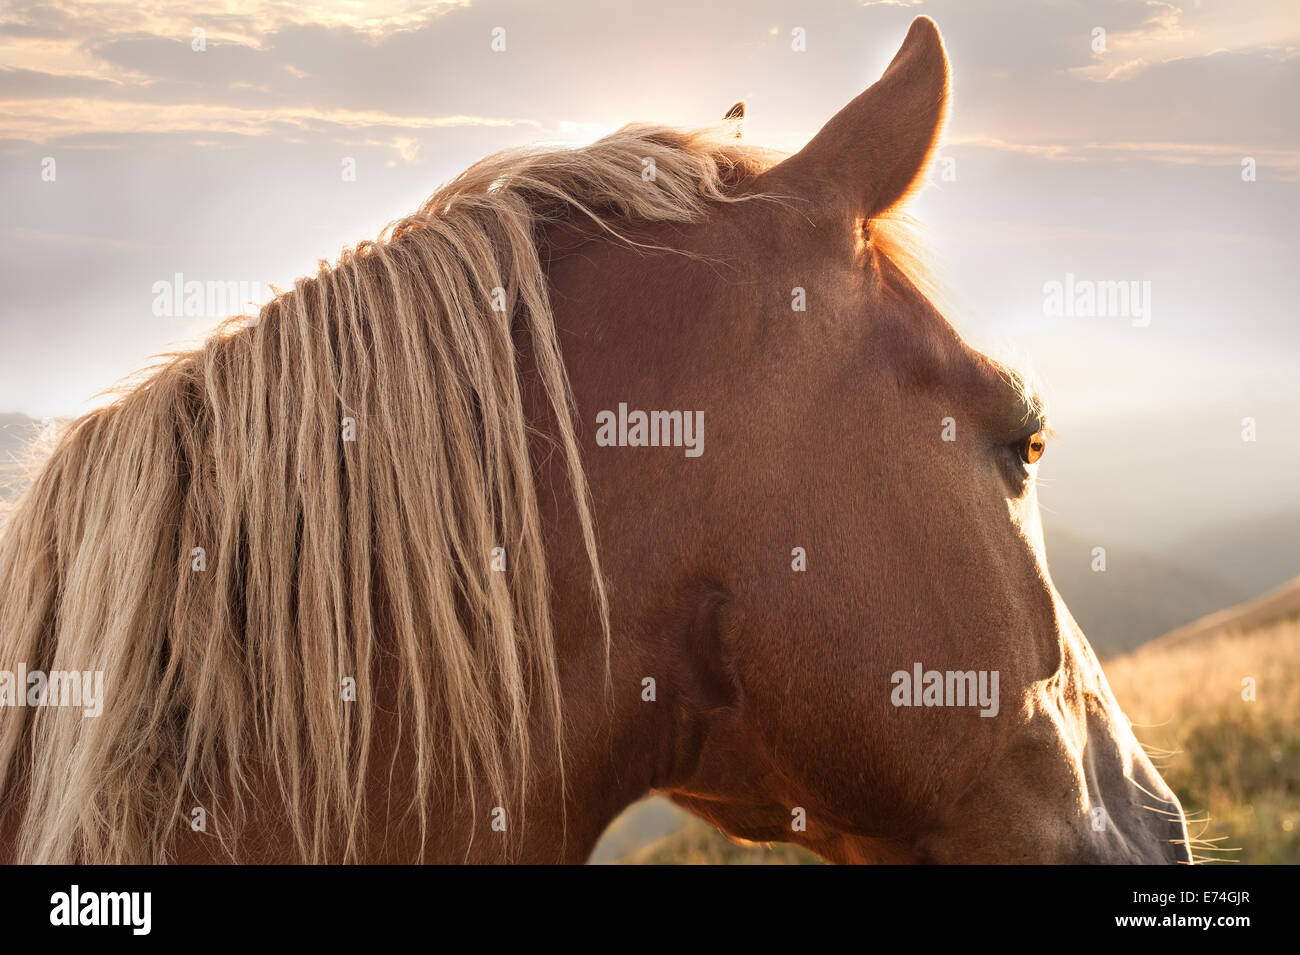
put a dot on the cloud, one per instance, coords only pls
(1280, 164)
(43, 121)
(1041, 150)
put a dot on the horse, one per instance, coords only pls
(645, 466)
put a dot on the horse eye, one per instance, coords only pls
(1032, 448)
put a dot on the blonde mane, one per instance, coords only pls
(304, 503)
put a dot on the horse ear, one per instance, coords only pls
(873, 152)
(736, 115)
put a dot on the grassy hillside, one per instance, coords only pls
(1232, 761)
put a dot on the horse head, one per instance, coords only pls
(842, 601)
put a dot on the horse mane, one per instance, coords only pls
(303, 499)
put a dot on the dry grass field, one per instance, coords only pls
(1234, 762)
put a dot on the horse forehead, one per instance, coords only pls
(743, 258)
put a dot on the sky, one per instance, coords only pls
(1070, 156)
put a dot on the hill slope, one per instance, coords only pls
(1137, 598)
(1221, 699)
(1273, 608)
